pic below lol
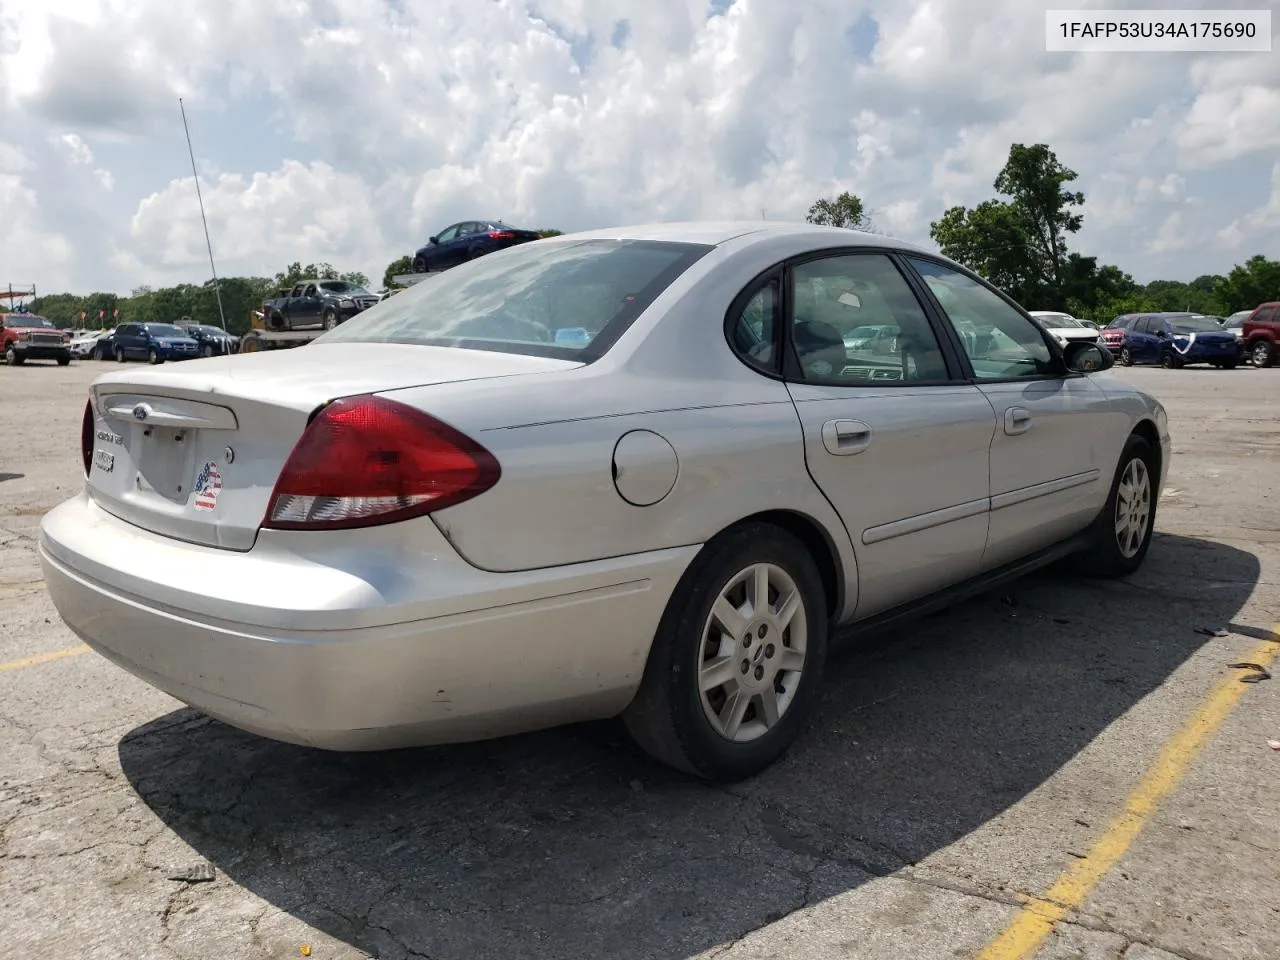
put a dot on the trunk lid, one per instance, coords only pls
(193, 451)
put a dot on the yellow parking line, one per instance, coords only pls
(1039, 915)
(40, 658)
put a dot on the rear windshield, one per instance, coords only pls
(1193, 325)
(570, 300)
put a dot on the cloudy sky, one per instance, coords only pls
(350, 130)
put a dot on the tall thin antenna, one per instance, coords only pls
(207, 242)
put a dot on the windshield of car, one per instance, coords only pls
(209, 330)
(1193, 325)
(570, 299)
(165, 330)
(342, 286)
(27, 320)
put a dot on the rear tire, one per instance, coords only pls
(1125, 527)
(1261, 354)
(782, 645)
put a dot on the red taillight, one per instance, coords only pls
(86, 437)
(501, 235)
(365, 461)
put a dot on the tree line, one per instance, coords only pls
(1019, 241)
(240, 297)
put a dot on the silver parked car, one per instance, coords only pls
(633, 472)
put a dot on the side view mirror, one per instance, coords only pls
(1087, 357)
(1161, 335)
(433, 240)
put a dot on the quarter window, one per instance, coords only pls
(854, 320)
(754, 330)
(1000, 342)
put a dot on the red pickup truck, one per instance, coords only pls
(28, 337)
(1260, 334)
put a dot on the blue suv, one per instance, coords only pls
(154, 342)
(1174, 340)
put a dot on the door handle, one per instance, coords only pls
(1017, 420)
(845, 437)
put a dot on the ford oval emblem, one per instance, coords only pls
(140, 412)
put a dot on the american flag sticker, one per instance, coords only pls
(208, 486)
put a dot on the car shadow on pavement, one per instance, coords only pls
(569, 844)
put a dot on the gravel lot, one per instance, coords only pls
(953, 769)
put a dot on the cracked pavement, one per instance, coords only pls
(954, 767)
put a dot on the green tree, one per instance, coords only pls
(549, 233)
(396, 268)
(296, 272)
(63, 309)
(1255, 281)
(991, 240)
(844, 211)
(1033, 179)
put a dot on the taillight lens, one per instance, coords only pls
(86, 437)
(366, 460)
(501, 235)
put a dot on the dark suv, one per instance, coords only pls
(212, 341)
(1261, 334)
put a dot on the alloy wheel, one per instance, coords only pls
(752, 653)
(1133, 508)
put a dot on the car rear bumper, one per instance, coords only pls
(378, 639)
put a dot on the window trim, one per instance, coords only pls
(1055, 350)
(789, 370)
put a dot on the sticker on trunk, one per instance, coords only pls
(208, 486)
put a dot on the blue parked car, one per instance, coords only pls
(465, 241)
(1174, 340)
(154, 342)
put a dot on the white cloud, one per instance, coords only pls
(1261, 222)
(353, 129)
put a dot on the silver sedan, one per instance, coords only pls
(633, 472)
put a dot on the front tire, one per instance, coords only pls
(737, 660)
(11, 357)
(64, 359)
(330, 319)
(420, 265)
(153, 358)
(1125, 528)
(119, 355)
(1126, 358)
(1169, 361)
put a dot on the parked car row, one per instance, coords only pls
(1173, 340)
(154, 342)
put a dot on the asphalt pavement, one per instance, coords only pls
(1066, 769)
